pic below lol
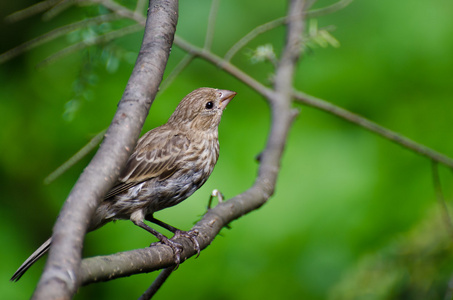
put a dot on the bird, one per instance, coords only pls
(169, 163)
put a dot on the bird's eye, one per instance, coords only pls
(209, 105)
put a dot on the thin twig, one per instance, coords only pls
(31, 10)
(140, 7)
(157, 283)
(112, 35)
(223, 64)
(440, 198)
(123, 11)
(59, 8)
(51, 35)
(253, 34)
(211, 24)
(93, 143)
(175, 72)
(280, 21)
(373, 127)
(328, 9)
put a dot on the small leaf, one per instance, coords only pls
(263, 53)
(71, 108)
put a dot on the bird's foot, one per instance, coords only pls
(191, 235)
(176, 247)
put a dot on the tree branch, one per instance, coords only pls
(61, 279)
(160, 256)
(157, 284)
(373, 127)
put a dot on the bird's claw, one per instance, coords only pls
(176, 247)
(191, 235)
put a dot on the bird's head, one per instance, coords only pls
(201, 109)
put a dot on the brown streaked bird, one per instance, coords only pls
(168, 165)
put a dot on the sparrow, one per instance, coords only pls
(168, 164)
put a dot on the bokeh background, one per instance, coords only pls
(354, 216)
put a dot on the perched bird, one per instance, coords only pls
(168, 165)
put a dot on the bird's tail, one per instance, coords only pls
(31, 260)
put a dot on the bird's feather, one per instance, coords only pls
(158, 157)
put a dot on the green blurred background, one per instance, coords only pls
(354, 216)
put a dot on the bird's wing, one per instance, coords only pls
(156, 155)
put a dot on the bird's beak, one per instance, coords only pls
(226, 97)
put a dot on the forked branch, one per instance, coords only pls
(159, 256)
